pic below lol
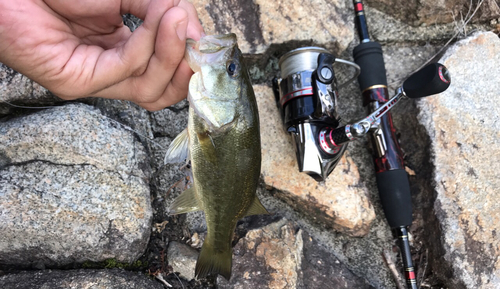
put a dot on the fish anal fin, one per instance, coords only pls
(211, 261)
(256, 208)
(185, 203)
(178, 150)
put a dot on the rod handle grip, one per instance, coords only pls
(370, 59)
(394, 190)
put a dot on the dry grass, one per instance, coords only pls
(461, 32)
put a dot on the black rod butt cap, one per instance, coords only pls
(432, 79)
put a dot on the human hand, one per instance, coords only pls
(82, 48)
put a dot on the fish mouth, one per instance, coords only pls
(214, 43)
(209, 49)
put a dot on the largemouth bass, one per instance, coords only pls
(222, 141)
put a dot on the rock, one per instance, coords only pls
(182, 258)
(82, 279)
(19, 89)
(341, 201)
(464, 126)
(434, 12)
(169, 121)
(255, 22)
(280, 255)
(386, 28)
(73, 187)
(270, 257)
(321, 269)
(73, 134)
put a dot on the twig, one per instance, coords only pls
(425, 267)
(446, 44)
(175, 185)
(160, 278)
(392, 267)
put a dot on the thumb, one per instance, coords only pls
(163, 82)
(114, 65)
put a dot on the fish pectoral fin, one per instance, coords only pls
(256, 208)
(207, 146)
(185, 203)
(178, 150)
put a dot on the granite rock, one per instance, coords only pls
(464, 126)
(73, 187)
(270, 257)
(81, 279)
(182, 258)
(73, 134)
(280, 255)
(19, 89)
(432, 12)
(256, 22)
(321, 269)
(169, 121)
(342, 200)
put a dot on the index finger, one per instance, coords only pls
(194, 30)
(139, 8)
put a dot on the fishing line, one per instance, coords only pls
(107, 117)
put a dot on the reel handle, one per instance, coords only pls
(432, 79)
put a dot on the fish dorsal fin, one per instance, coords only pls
(185, 203)
(256, 208)
(178, 150)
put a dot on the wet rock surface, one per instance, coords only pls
(464, 124)
(109, 162)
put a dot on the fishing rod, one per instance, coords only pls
(392, 179)
(307, 93)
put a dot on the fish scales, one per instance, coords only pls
(224, 148)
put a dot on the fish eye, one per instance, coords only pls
(231, 68)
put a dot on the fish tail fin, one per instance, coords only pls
(211, 261)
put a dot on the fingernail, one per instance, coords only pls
(180, 29)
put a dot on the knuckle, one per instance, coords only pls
(139, 69)
(143, 93)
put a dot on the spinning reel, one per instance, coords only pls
(307, 95)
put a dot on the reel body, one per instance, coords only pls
(306, 95)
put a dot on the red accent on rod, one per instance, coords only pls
(411, 275)
(359, 7)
